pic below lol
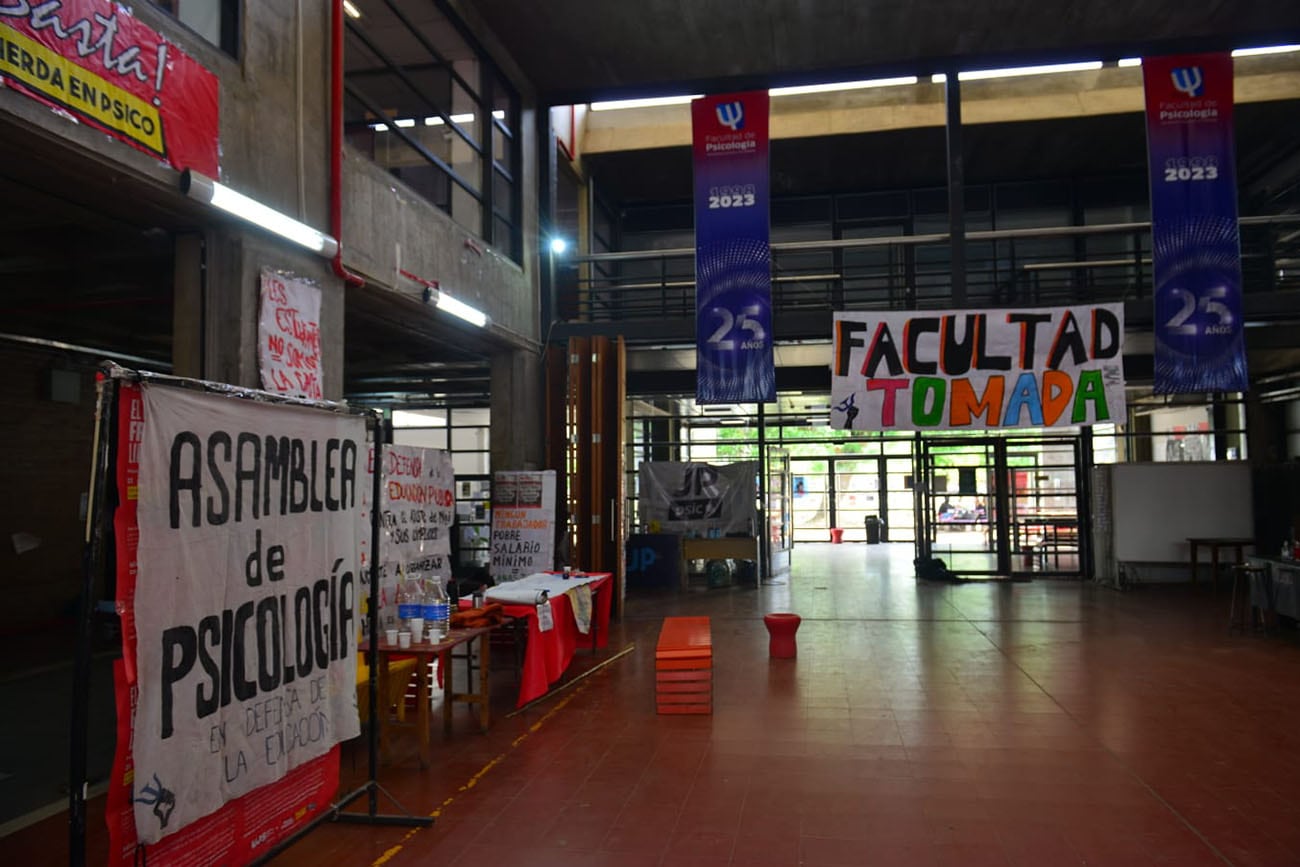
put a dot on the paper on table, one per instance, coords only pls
(580, 602)
(525, 590)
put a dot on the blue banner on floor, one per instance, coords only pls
(1196, 247)
(733, 260)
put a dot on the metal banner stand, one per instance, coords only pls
(98, 529)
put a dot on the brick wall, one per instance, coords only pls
(45, 472)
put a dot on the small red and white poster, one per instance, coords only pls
(288, 336)
(523, 523)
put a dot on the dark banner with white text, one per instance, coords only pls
(1196, 248)
(733, 261)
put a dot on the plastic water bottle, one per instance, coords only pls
(437, 608)
(408, 600)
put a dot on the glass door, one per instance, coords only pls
(777, 507)
(810, 510)
(1002, 505)
(960, 506)
(841, 493)
(857, 495)
(1044, 500)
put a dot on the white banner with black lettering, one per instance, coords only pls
(245, 603)
(523, 523)
(700, 499)
(418, 506)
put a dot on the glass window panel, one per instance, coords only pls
(505, 104)
(501, 234)
(466, 114)
(502, 195)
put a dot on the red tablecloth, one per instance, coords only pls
(549, 653)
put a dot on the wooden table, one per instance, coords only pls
(424, 653)
(1215, 543)
(723, 548)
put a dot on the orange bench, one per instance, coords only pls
(684, 666)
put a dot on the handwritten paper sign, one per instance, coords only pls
(417, 507)
(288, 336)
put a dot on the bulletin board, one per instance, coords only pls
(1156, 507)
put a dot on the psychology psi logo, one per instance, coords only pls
(731, 115)
(1188, 80)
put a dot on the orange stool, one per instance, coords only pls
(781, 629)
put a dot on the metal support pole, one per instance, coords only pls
(956, 188)
(763, 538)
(1084, 465)
(94, 560)
(547, 186)
(372, 609)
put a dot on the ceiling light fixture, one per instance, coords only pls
(210, 192)
(843, 85)
(353, 11)
(1129, 61)
(455, 118)
(559, 246)
(460, 309)
(1265, 49)
(652, 102)
(1018, 71)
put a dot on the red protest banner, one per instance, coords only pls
(95, 60)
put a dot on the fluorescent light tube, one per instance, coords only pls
(1266, 49)
(642, 103)
(1129, 61)
(208, 191)
(843, 85)
(1018, 71)
(352, 11)
(455, 118)
(460, 309)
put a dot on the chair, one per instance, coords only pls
(400, 672)
(1243, 575)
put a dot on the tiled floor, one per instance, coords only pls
(1010, 724)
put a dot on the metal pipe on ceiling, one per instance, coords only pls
(96, 353)
(931, 238)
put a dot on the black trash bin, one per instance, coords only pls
(875, 530)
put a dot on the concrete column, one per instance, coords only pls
(1291, 418)
(956, 188)
(217, 290)
(517, 437)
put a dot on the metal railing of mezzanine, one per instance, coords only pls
(1004, 267)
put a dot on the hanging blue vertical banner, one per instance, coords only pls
(733, 260)
(1196, 247)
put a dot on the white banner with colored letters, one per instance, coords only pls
(246, 598)
(978, 370)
